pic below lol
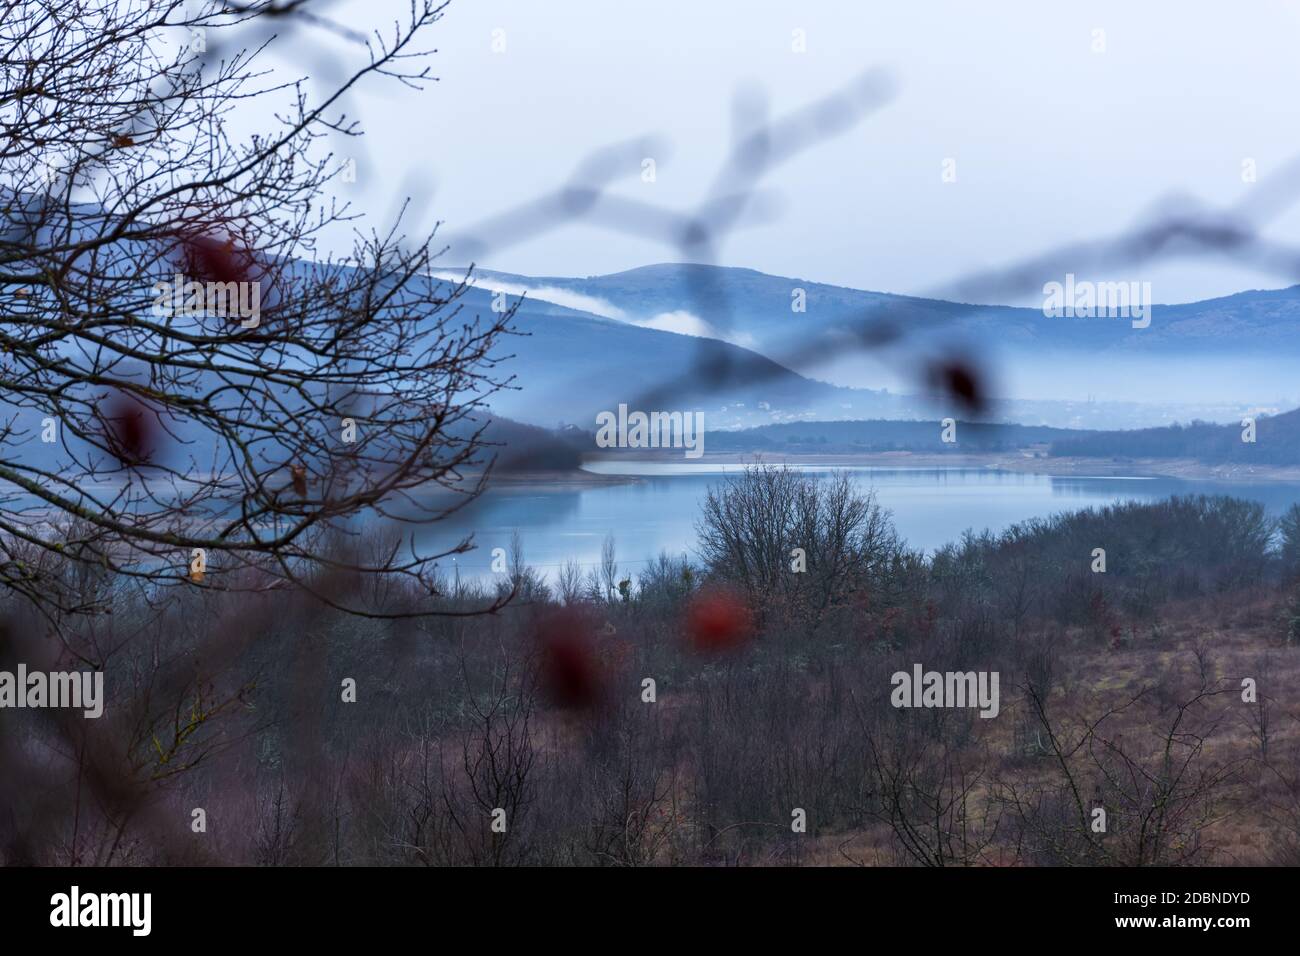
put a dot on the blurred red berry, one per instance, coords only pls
(961, 382)
(718, 620)
(207, 258)
(130, 428)
(571, 672)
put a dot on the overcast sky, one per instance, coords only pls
(1052, 140)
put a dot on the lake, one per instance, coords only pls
(930, 507)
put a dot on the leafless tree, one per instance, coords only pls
(485, 798)
(608, 568)
(190, 392)
(568, 585)
(932, 794)
(1148, 801)
(788, 538)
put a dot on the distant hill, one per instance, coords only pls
(857, 437)
(1277, 442)
(569, 365)
(760, 306)
(1212, 360)
(520, 447)
(849, 437)
(726, 342)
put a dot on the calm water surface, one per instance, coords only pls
(930, 506)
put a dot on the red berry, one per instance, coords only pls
(571, 672)
(130, 428)
(718, 620)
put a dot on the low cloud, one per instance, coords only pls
(679, 321)
(687, 323)
(543, 293)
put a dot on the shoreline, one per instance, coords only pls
(555, 478)
(1023, 461)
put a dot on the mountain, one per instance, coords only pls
(566, 365)
(750, 349)
(1216, 359)
(569, 365)
(1257, 321)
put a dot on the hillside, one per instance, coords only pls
(760, 305)
(1277, 442)
(1214, 360)
(848, 437)
(569, 365)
